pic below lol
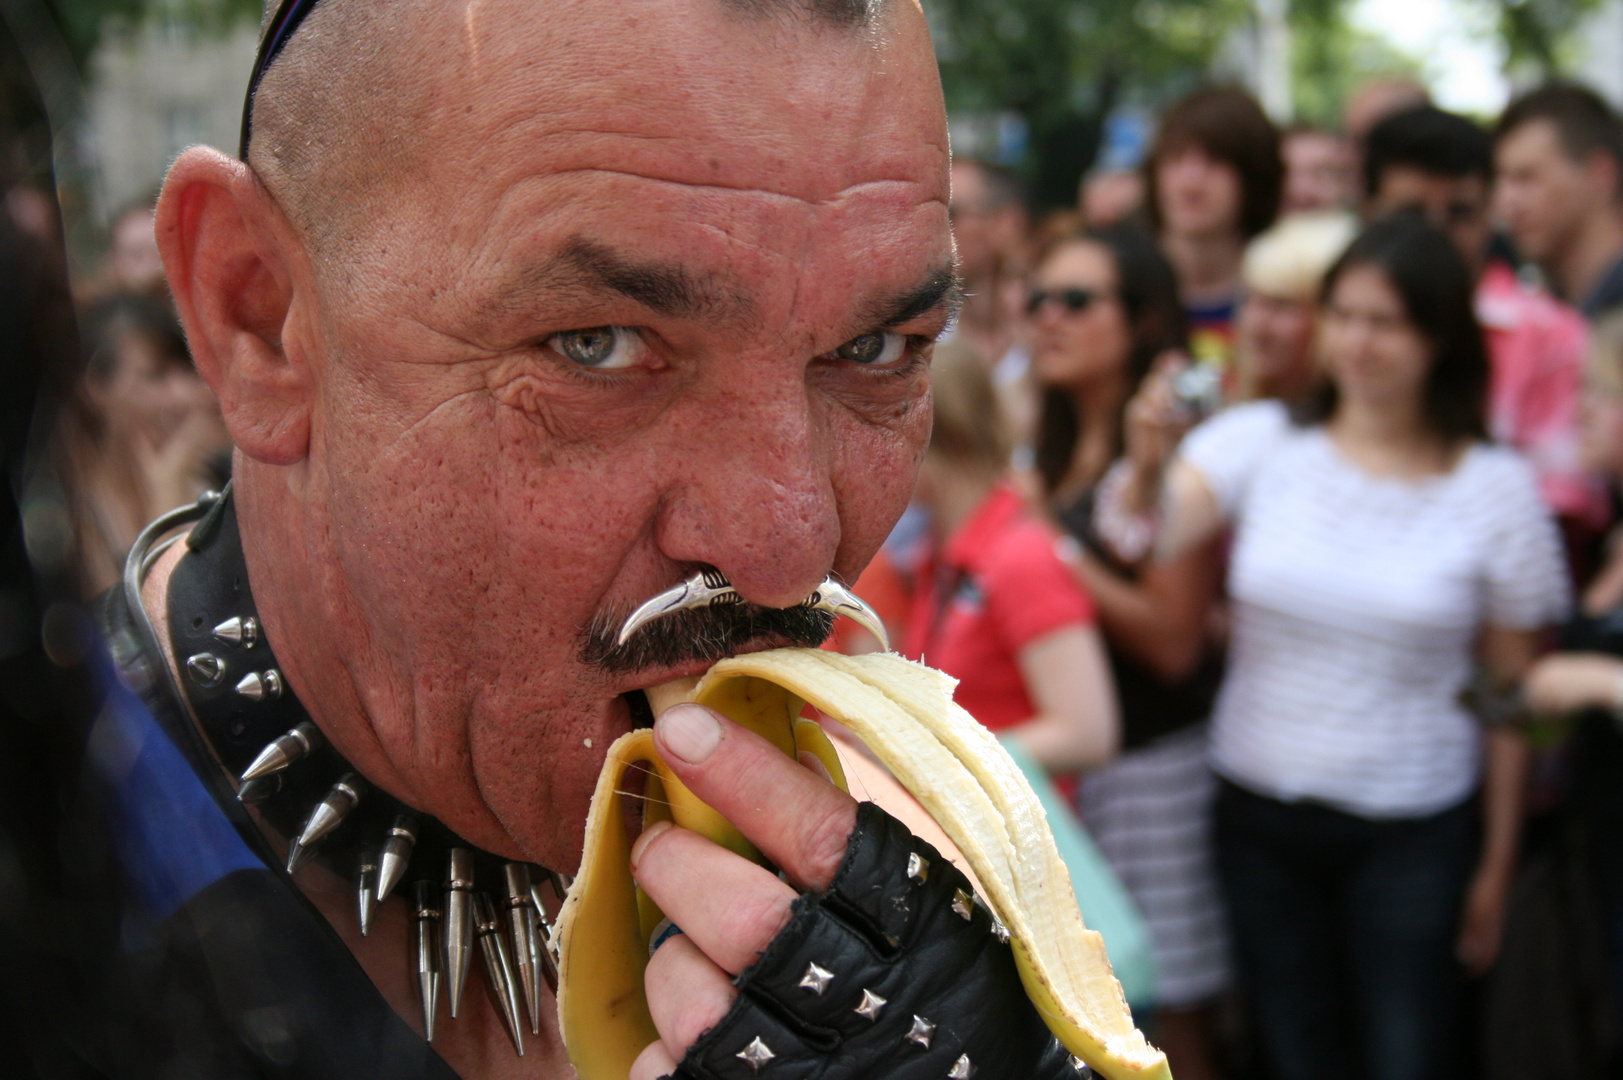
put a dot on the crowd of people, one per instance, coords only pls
(1271, 508)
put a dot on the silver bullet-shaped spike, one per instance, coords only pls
(426, 915)
(205, 669)
(367, 889)
(259, 789)
(458, 923)
(283, 751)
(522, 929)
(546, 939)
(297, 856)
(396, 854)
(261, 685)
(561, 884)
(331, 811)
(238, 631)
(499, 973)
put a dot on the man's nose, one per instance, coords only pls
(755, 497)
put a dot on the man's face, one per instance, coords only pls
(1543, 195)
(663, 299)
(986, 232)
(1318, 171)
(1456, 205)
(1200, 194)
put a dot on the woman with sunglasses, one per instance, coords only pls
(1367, 822)
(1104, 306)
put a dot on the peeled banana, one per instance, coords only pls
(905, 714)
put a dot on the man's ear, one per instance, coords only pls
(227, 250)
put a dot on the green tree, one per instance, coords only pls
(1330, 58)
(1063, 64)
(1538, 33)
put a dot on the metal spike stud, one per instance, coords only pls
(205, 669)
(396, 854)
(999, 930)
(238, 631)
(426, 914)
(261, 685)
(561, 884)
(918, 868)
(287, 748)
(259, 789)
(921, 1032)
(330, 813)
(1081, 1067)
(963, 904)
(522, 929)
(870, 1006)
(367, 891)
(546, 939)
(816, 979)
(297, 856)
(756, 1054)
(458, 923)
(499, 974)
(962, 1069)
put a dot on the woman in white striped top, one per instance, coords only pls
(1368, 823)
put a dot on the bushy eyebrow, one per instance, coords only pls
(941, 287)
(584, 268)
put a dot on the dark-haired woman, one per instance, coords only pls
(1104, 306)
(1367, 823)
(143, 433)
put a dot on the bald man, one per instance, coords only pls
(519, 315)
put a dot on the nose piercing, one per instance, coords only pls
(710, 588)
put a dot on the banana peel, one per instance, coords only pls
(904, 713)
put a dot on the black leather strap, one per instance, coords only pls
(947, 980)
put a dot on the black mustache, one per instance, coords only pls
(703, 634)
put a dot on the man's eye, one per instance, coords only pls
(873, 350)
(600, 347)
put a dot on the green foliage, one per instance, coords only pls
(1330, 58)
(1061, 64)
(1537, 33)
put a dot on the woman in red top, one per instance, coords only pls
(995, 607)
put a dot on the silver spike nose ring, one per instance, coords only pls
(709, 588)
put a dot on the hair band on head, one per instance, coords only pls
(282, 27)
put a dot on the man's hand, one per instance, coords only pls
(729, 909)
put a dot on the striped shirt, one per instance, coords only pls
(1357, 603)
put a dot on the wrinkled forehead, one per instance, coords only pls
(543, 117)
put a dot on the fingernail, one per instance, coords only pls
(658, 828)
(689, 731)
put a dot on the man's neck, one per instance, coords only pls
(1597, 245)
(1207, 264)
(476, 1043)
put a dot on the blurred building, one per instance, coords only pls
(153, 92)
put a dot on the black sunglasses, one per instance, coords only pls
(1075, 301)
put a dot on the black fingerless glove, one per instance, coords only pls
(895, 973)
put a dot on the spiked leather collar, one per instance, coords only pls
(306, 791)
